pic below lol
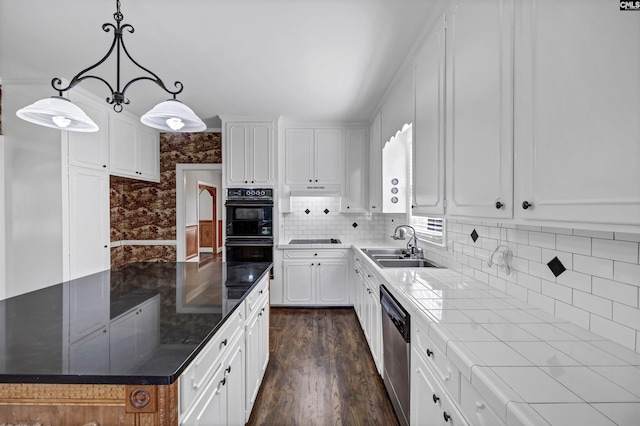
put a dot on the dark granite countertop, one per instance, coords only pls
(86, 330)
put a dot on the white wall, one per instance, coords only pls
(2, 227)
(191, 192)
(33, 194)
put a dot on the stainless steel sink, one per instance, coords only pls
(406, 263)
(396, 258)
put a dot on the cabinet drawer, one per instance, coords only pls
(475, 408)
(313, 254)
(445, 371)
(209, 360)
(254, 300)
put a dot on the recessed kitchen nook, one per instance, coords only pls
(319, 212)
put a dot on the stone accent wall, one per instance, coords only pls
(143, 210)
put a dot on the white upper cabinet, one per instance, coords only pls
(314, 156)
(250, 153)
(479, 92)
(90, 149)
(578, 109)
(134, 149)
(428, 125)
(354, 199)
(375, 165)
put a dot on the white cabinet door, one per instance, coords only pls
(579, 102)
(479, 96)
(355, 190)
(298, 282)
(428, 125)
(235, 386)
(90, 149)
(331, 279)
(254, 376)
(148, 153)
(237, 135)
(375, 165)
(88, 221)
(329, 156)
(427, 404)
(375, 325)
(211, 407)
(122, 145)
(261, 170)
(299, 152)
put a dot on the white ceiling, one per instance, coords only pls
(316, 60)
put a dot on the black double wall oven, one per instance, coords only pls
(249, 226)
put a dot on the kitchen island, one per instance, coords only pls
(111, 347)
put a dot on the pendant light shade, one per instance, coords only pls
(59, 113)
(173, 116)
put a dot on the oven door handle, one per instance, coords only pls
(249, 244)
(241, 204)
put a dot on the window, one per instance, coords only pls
(429, 229)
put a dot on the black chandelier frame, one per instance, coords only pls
(118, 98)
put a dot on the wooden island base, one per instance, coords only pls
(104, 405)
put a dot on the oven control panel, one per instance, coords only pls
(249, 193)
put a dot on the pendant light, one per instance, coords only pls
(59, 112)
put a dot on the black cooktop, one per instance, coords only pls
(317, 241)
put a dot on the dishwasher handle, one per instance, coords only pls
(396, 313)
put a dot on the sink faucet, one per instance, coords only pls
(412, 248)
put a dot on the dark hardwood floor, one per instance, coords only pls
(320, 372)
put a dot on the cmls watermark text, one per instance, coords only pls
(629, 5)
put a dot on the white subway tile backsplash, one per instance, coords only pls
(571, 313)
(541, 270)
(612, 330)
(593, 266)
(593, 304)
(518, 236)
(560, 231)
(618, 292)
(617, 250)
(542, 239)
(627, 273)
(541, 301)
(529, 252)
(557, 291)
(622, 236)
(575, 280)
(626, 315)
(595, 234)
(600, 289)
(530, 282)
(564, 257)
(579, 245)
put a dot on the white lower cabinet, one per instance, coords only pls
(222, 400)
(367, 306)
(220, 385)
(257, 339)
(317, 278)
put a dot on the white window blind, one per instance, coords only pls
(430, 229)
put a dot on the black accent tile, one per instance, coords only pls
(556, 266)
(474, 236)
(355, 225)
(326, 211)
(307, 211)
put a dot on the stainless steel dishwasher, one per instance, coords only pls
(396, 352)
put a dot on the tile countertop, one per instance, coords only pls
(530, 366)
